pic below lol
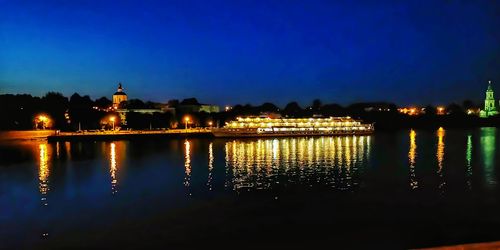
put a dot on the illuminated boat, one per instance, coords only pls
(267, 126)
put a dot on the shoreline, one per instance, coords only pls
(53, 136)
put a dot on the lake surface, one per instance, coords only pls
(412, 188)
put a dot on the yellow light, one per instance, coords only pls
(112, 118)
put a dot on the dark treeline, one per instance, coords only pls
(19, 112)
(384, 115)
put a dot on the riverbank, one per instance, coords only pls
(127, 135)
(25, 135)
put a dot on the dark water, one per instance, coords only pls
(398, 190)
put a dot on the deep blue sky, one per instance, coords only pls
(227, 52)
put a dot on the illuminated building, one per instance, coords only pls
(119, 96)
(490, 108)
(267, 126)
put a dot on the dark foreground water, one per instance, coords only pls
(395, 190)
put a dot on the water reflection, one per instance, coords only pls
(468, 157)
(112, 169)
(57, 149)
(210, 164)
(67, 146)
(267, 163)
(187, 164)
(43, 172)
(412, 155)
(488, 152)
(440, 157)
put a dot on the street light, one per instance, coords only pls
(210, 123)
(112, 119)
(43, 119)
(186, 120)
(440, 110)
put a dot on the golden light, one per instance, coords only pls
(440, 110)
(112, 119)
(187, 120)
(210, 123)
(43, 119)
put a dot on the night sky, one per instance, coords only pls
(228, 52)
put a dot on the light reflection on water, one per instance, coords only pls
(412, 156)
(257, 164)
(267, 163)
(440, 158)
(112, 168)
(488, 136)
(43, 172)
(78, 177)
(210, 165)
(187, 164)
(468, 157)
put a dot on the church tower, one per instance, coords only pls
(490, 108)
(119, 96)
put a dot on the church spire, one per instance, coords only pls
(120, 88)
(490, 107)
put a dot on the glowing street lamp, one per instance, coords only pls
(43, 119)
(210, 123)
(186, 120)
(440, 110)
(112, 119)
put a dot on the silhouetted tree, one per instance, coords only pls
(292, 109)
(332, 110)
(268, 107)
(454, 109)
(103, 102)
(55, 104)
(135, 104)
(430, 110)
(468, 104)
(173, 103)
(316, 105)
(190, 101)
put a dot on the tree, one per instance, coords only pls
(332, 110)
(268, 107)
(468, 104)
(173, 103)
(103, 102)
(316, 105)
(134, 104)
(454, 109)
(292, 109)
(55, 104)
(430, 110)
(190, 101)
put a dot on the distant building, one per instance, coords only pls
(490, 108)
(119, 96)
(191, 105)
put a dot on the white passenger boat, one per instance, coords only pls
(272, 127)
